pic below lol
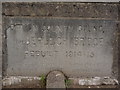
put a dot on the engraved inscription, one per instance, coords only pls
(77, 47)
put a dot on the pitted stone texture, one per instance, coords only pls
(119, 54)
(76, 10)
(0, 45)
(59, 0)
(55, 79)
(0, 81)
(22, 82)
(119, 45)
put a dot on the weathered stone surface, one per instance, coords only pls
(0, 45)
(119, 45)
(22, 82)
(60, 1)
(81, 10)
(44, 26)
(55, 79)
(78, 47)
(119, 55)
(94, 81)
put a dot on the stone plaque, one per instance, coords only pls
(78, 47)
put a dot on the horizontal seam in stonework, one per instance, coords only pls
(53, 2)
(60, 17)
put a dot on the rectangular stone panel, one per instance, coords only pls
(78, 47)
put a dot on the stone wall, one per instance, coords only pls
(21, 15)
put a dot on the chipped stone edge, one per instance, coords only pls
(0, 45)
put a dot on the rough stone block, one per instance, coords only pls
(55, 79)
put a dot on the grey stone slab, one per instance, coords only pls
(55, 79)
(78, 47)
